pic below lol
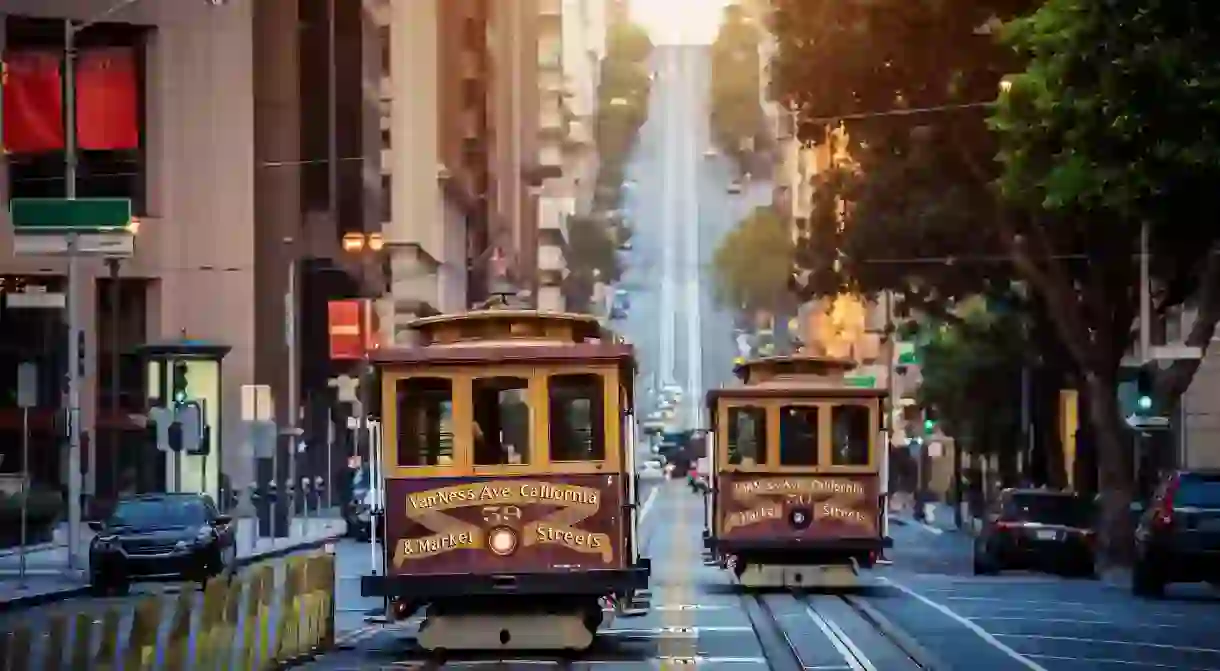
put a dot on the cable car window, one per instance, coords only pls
(501, 421)
(851, 433)
(747, 436)
(425, 421)
(577, 417)
(798, 436)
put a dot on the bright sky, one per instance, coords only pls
(679, 21)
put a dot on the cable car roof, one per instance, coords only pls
(795, 375)
(507, 335)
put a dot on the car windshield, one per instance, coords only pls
(159, 513)
(1050, 509)
(1198, 491)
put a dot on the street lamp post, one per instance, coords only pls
(71, 296)
(364, 246)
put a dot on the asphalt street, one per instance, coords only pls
(927, 605)
(679, 202)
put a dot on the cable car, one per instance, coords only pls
(797, 461)
(509, 477)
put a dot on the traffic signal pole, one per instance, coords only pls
(72, 303)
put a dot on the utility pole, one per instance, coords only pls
(72, 302)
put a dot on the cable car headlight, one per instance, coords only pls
(502, 541)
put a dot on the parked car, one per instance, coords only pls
(1178, 535)
(1038, 529)
(152, 536)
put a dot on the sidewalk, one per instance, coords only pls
(938, 519)
(48, 577)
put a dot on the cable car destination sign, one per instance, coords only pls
(503, 505)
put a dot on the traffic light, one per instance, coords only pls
(180, 383)
(1143, 386)
(175, 436)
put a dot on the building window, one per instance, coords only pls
(387, 198)
(577, 431)
(111, 66)
(385, 139)
(501, 421)
(473, 33)
(386, 59)
(472, 93)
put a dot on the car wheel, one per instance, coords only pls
(1145, 582)
(984, 565)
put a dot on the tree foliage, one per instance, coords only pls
(752, 264)
(971, 363)
(857, 73)
(591, 257)
(1110, 124)
(622, 108)
(736, 109)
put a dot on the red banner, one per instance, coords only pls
(107, 99)
(33, 102)
(345, 324)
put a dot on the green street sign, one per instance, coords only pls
(906, 354)
(860, 381)
(61, 215)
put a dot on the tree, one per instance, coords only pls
(1078, 130)
(626, 41)
(622, 94)
(1096, 144)
(971, 370)
(752, 264)
(736, 113)
(591, 258)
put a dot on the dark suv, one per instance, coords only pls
(1178, 536)
(160, 536)
(1038, 529)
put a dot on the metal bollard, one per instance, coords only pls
(19, 642)
(288, 637)
(108, 644)
(142, 642)
(178, 642)
(266, 658)
(317, 598)
(211, 623)
(251, 634)
(222, 659)
(82, 641)
(57, 640)
(329, 585)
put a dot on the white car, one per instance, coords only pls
(710, 153)
(734, 187)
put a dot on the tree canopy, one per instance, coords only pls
(736, 113)
(752, 264)
(1110, 123)
(622, 108)
(971, 362)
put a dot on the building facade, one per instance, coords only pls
(268, 131)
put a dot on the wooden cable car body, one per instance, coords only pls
(510, 494)
(796, 461)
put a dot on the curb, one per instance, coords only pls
(904, 641)
(35, 600)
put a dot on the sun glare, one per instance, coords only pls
(679, 21)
